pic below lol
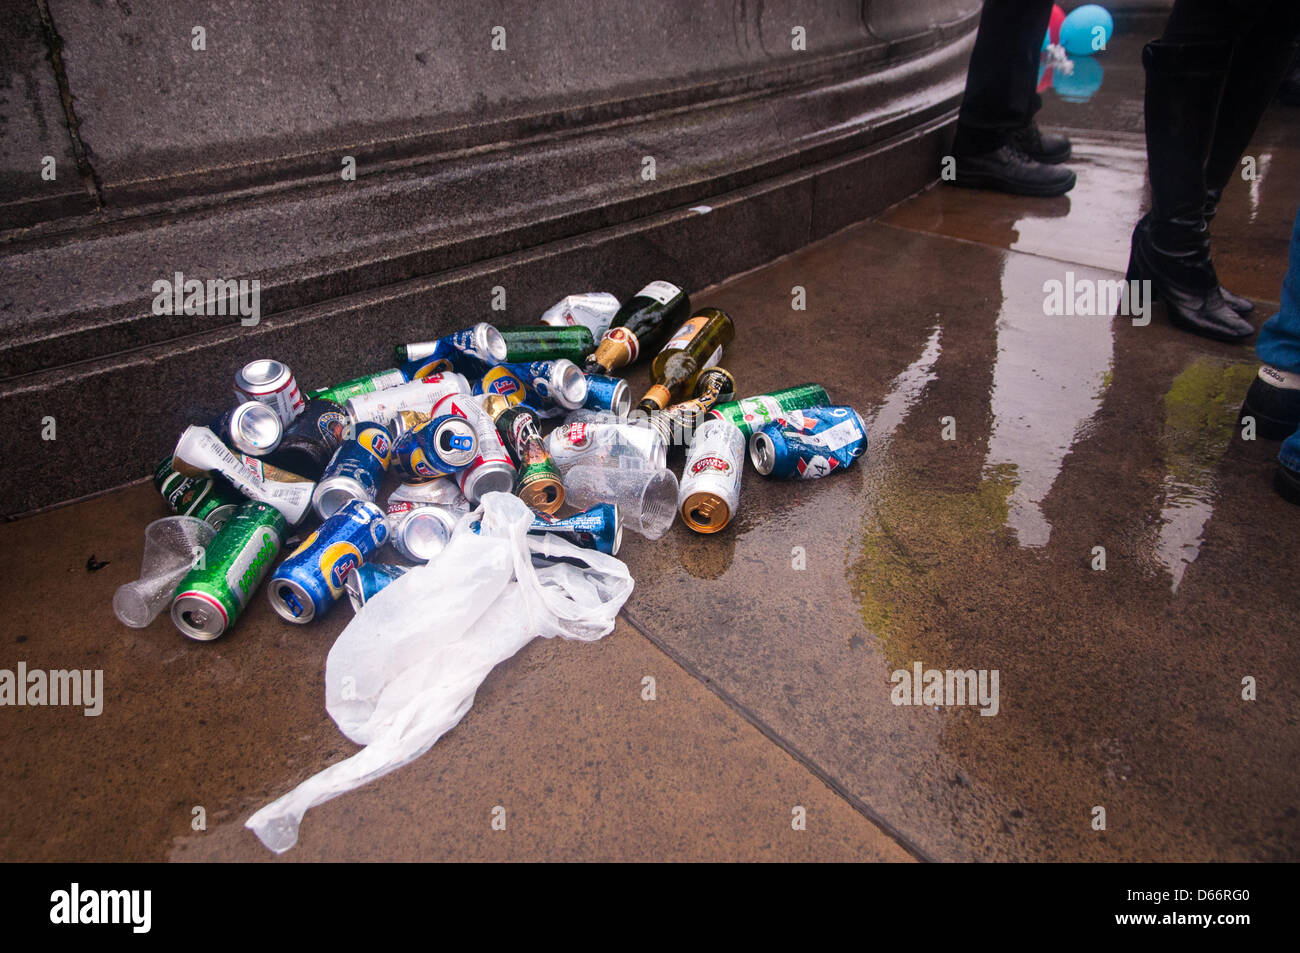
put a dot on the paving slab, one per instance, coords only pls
(559, 736)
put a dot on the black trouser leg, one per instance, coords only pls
(1171, 247)
(1261, 57)
(1000, 84)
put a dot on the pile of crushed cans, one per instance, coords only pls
(463, 416)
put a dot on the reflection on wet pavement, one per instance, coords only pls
(1200, 415)
(1048, 381)
(903, 393)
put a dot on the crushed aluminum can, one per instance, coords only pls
(593, 310)
(808, 444)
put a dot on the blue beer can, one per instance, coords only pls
(314, 576)
(598, 528)
(355, 470)
(366, 580)
(469, 352)
(808, 444)
(608, 393)
(549, 388)
(446, 444)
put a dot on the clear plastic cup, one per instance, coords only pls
(646, 499)
(170, 546)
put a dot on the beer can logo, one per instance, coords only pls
(710, 463)
(522, 430)
(332, 426)
(378, 533)
(432, 370)
(575, 435)
(336, 562)
(420, 464)
(377, 442)
(500, 381)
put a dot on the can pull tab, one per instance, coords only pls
(460, 442)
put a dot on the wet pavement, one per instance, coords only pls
(1007, 446)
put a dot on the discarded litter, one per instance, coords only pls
(440, 498)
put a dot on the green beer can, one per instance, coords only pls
(213, 593)
(753, 413)
(201, 497)
(367, 384)
(545, 342)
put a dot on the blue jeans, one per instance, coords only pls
(1278, 344)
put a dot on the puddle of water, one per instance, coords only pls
(905, 391)
(1200, 418)
(1048, 382)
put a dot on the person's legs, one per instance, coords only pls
(997, 144)
(1274, 396)
(1000, 84)
(1185, 74)
(1273, 400)
(1260, 60)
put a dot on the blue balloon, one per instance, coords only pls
(1087, 30)
(1079, 86)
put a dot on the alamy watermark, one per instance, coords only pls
(1098, 298)
(78, 688)
(216, 296)
(78, 906)
(947, 688)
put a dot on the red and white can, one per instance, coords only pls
(492, 470)
(709, 494)
(272, 383)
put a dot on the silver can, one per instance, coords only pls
(594, 310)
(272, 383)
(368, 579)
(606, 440)
(383, 406)
(492, 469)
(443, 491)
(567, 384)
(709, 494)
(253, 428)
(420, 531)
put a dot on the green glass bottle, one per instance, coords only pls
(697, 344)
(545, 342)
(640, 326)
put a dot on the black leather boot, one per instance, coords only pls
(1259, 64)
(1049, 147)
(1009, 169)
(1171, 246)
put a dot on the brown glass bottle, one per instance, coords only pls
(697, 344)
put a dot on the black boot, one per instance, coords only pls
(1048, 147)
(1171, 248)
(1009, 169)
(1259, 63)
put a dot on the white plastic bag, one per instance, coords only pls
(406, 668)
